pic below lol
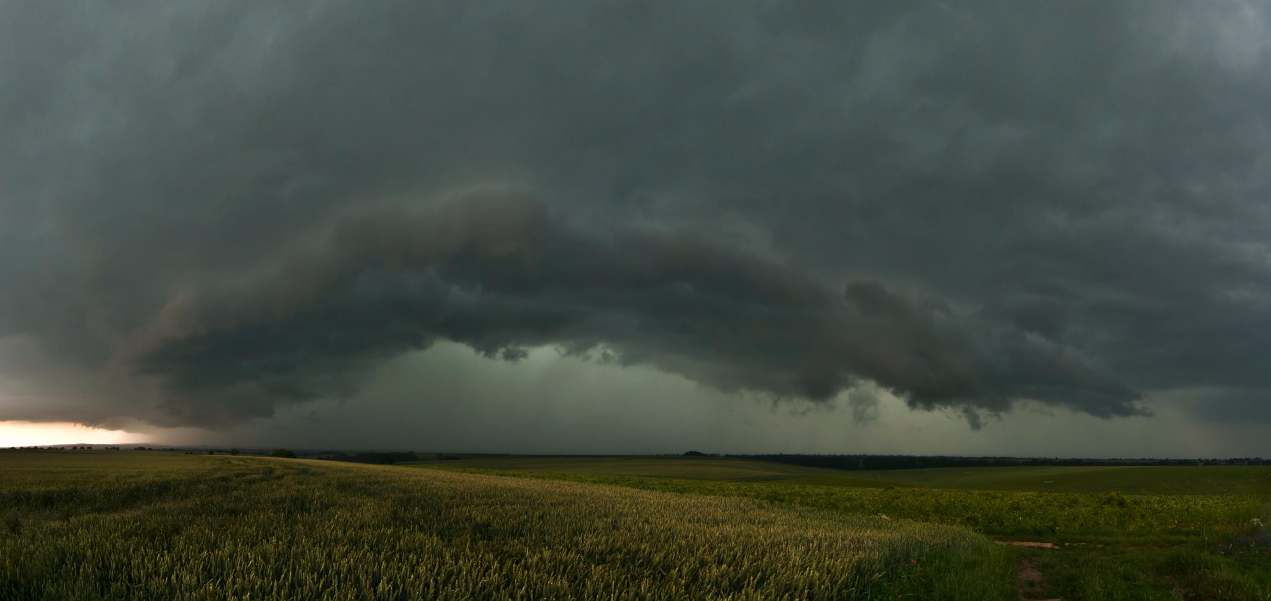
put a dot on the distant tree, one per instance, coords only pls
(233, 451)
(694, 454)
(283, 453)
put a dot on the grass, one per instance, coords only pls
(689, 468)
(1199, 535)
(1138, 480)
(88, 526)
(1070, 517)
(100, 525)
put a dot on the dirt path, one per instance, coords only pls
(1023, 543)
(1030, 578)
(1030, 582)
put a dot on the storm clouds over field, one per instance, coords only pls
(226, 215)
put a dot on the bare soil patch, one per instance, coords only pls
(1024, 543)
(1030, 582)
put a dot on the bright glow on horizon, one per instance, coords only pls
(30, 434)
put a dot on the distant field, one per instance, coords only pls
(1073, 503)
(1014, 514)
(129, 525)
(689, 468)
(1123, 533)
(1146, 480)
(1181, 480)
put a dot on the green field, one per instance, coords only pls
(150, 525)
(1145, 480)
(1158, 533)
(1018, 514)
(81, 526)
(688, 468)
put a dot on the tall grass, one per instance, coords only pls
(1116, 547)
(1055, 516)
(178, 527)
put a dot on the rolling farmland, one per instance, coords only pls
(116, 525)
(165, 526)
(1096, 533)
(1168, 480)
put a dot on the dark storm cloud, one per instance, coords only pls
(498, 274)
(211, 208)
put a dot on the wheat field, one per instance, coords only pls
(134, 525)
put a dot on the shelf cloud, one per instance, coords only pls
(213, 210)
(499, 275)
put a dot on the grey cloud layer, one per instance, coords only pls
(208, 208)
(498, 274)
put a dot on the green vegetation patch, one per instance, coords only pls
(1137, 480)
(1112, 546)
(690, 468)
(1053, 516)
(1142, 480)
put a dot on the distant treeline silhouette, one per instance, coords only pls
(897, 462)
(380, 458)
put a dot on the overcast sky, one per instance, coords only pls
(900, 227)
